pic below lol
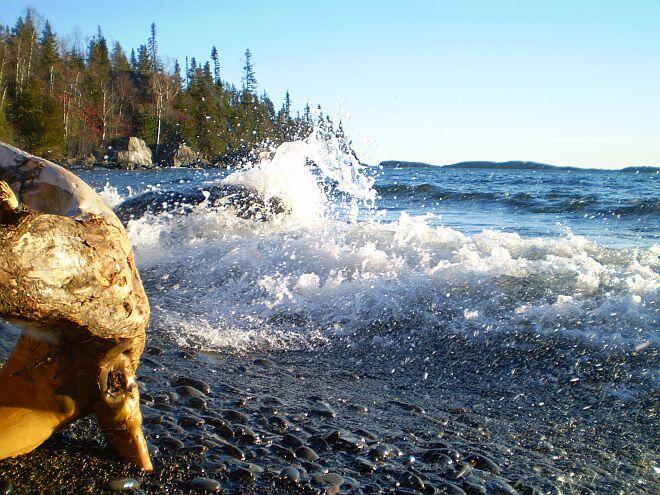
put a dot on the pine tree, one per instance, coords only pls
(152, 50)
(249, 78)
(216, 65)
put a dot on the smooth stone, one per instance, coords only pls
(290, 475)
(232, 451)
(242, 475)
(322, 408)
(279, 423)
(318, 443)
(437, 456)
(283, 452)
(450, 488)
(380, 452)
(483, 463)
(330, 478)
(235, 416)
(306, 454)
(123, 484)
(359, 408)
(500, 487)
(473, 488)
(410, 480)
(291, 441)
(188, 391)
(191, 382)
(364, 466)
(191, 421)
(169, 443)
(197, 402)
(206, 485)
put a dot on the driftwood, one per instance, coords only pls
(68, 280)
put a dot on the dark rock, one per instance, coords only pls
(483, 463)
(283, 452)
(191, 421)
(449, 488)
(206, 485)
(232, 451)
(289, 475)
(380, 452)
(123, 484)
(188, 391)
(321, 408)
(291, 441)
(242, 475)
(410, 480)
(306, 454)
(169, 443)
(235, 416)
(364, 466)
(197, 403)
(329, 478)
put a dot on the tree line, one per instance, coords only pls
(68, 101)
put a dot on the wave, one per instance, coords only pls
(307, 275)
(549, 203)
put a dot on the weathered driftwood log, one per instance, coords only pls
(68, 280)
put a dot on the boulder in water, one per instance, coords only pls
(136, 154)
(185, 156)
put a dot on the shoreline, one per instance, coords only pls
(466, 403)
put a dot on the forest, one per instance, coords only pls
(73, 101)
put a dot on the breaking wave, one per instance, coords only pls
(312, 272)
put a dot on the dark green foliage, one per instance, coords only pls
(76, 102)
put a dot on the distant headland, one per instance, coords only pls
(515, 165)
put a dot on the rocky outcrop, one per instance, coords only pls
(137, 154)
(185, 156)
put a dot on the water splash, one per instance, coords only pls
(313, 177)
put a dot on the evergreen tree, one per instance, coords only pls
(216, 65)
(249, 78)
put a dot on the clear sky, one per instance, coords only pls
(568, 82)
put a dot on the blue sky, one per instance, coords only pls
(566, 82)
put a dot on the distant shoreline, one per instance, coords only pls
(516, 165)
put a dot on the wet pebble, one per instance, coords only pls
(283, 452)
(291, 441)
(329, 478)
(289, 475)
(321, 408)
(169, 443)
(306, 454)
(235, 416)
(380, 452)
(242, 475)
(197, 402)
(364, 466)
(233, 451)
(483, 463)
(188, 391)
(123, 484)
(206, 485)
(410, 480)
(450, 488)
(191, 421)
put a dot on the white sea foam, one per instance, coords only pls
(223, 281)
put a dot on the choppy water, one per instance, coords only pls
(361, 251)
